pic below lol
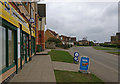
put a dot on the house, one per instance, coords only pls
(73, 39)
(107, 42)
(118, 38)
(67, 40)
(63, 38)
(115, 39)
(50, 33)
(83, 42)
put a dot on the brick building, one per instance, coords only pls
(67, 40)
(118, 37)
(50, 33)
(41, 25)
(115, 39)
(83, 42)
(18, 31)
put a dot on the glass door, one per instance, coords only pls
(21, 48)
(24, 48)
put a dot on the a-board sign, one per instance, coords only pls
(84, 63)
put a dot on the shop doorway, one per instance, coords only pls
(24, 48)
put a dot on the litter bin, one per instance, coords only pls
(39, 48)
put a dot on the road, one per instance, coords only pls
(104, 65)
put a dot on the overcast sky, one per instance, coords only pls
(94, 20)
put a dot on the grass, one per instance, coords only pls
(61, 56)
(116, 53)
(103, 48)
(83, 46)
(69, 76)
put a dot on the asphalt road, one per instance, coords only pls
(104, 65)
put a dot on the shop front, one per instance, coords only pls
(33, 43)
(14, 37)
(24, 38)
(8, 41)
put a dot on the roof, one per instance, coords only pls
(63, 36)
(118, 33)
(53, 32)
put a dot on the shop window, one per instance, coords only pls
(2, 47)
(11, 46)
(32, 13)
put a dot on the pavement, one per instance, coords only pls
(40, 69)
(104, 65)
(65, 66)
(45, 52)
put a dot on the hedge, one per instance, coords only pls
(65, 46)
(110, 45)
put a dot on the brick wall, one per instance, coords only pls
(41, 40)
(48, 35)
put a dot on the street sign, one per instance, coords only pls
(32, 20)
(84, 63)
(76, 54)
(75, 58)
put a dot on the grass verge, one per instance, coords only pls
(69, 76)
(61, 56)
(116, 53)
(103, 48)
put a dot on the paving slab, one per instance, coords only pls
(45, 52)
(65, 66)
(40, 69)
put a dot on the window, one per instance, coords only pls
(61, 38)
(32, 13)
(11, 46)
(26, 3)
(2, 47)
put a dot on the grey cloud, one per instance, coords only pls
(83, 19)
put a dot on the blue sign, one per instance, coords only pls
(76, 54)
(76, 58)
(84, 63)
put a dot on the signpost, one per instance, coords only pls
(84, 64)
(76, 55)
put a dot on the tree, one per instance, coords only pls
(57, 41)
(91, 43)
